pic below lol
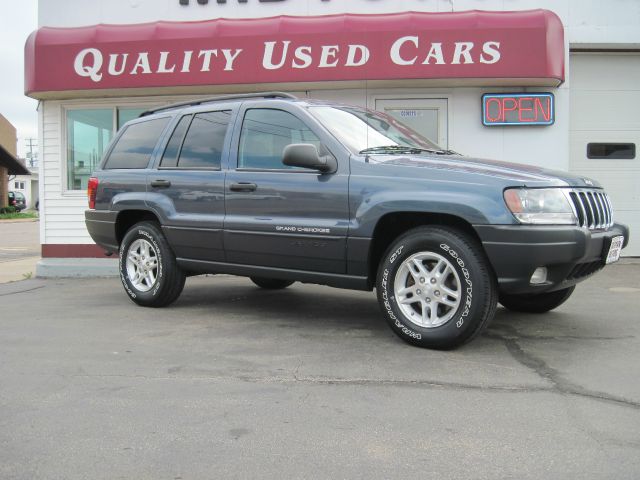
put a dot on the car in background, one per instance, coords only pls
(17, 200)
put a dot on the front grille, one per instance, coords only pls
(592, 208)
(584, 269)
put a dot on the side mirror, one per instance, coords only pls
(305, 155)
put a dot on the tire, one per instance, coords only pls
(442, 267)
(540, 303)
(271, 283)
(144, 246)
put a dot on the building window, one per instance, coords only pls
(18, 185)
(612, 151)
(126, 114)
(89, 132)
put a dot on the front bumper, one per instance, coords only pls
(570, 254)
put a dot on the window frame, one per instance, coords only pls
(247, 109)
(192, 113)
(65, 191)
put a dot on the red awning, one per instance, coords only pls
(472, 48)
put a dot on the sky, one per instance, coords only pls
(17, 20)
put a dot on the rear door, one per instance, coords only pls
(187, 185)
(279, 216)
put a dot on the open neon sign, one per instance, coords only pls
(517, 109)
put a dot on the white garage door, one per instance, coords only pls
(605, 125)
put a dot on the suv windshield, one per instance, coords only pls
(370, 132)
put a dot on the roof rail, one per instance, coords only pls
(219, 98)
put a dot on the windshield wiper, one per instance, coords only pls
(398, 149)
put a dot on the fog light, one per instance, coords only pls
(539, 276)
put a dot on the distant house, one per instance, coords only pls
(9, 163)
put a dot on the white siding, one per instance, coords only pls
(63, 212)
(605, 95)
(587, 22)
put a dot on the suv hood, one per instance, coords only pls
(525, 175)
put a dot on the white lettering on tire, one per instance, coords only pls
(465, 273)
(123, 278)
(387, 305)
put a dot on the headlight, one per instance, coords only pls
(548, 206)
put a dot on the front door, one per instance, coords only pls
(427, 116)
(278, 216)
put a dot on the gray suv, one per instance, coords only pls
(281, 189)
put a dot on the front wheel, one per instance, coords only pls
(537, 303)
(435, 287)
(148, 268)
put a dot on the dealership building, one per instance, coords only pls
(550, 83)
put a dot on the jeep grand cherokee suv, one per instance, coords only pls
(282, 190)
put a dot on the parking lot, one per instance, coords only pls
(236, 382)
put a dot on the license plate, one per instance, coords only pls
(615, 249)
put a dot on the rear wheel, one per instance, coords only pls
(148, 269)
(435, 288)
(271, 283)
(540, 303)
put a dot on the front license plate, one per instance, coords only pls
(615, 249)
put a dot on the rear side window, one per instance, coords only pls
(135, 146)
(171, 152)
(203, 143)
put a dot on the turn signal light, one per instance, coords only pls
(92, 189)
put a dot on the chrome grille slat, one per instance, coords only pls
(609, 209)
(592, 207)
(603, 215)
(593, 198)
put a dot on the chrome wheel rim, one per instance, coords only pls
(427, 289)
(142, 265)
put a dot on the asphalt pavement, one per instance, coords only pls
(236, 382)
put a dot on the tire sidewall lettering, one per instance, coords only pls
(468, 289)
(387, 299)
(132, 292)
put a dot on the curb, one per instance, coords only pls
(77, 268)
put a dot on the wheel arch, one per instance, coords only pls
(392, 225)
(128, 218)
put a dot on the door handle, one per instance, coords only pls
(158, 183)
(243, 187)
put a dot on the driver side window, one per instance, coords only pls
(264, 135)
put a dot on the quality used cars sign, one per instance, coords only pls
(471, 45)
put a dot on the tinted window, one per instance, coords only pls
(135, 146)
(203, 145)
(170, 156)
(265, 134)
(611, 150)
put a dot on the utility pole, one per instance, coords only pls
(30, 144)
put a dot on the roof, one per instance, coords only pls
(11, 163)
